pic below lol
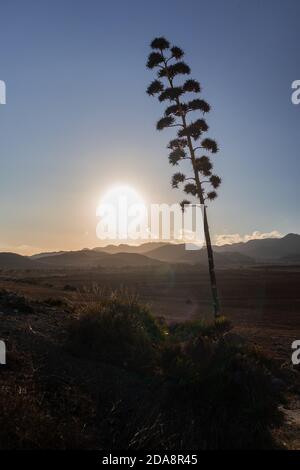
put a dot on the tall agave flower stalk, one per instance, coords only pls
(183, 101)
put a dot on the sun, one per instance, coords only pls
(123, 215)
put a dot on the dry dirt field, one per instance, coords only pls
(262, 302)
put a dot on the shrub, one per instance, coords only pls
(223, 395)
(69, 288)
(190, 329)
(116, 329)
(54, 302)
(208, 393)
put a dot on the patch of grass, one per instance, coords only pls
(27, 422)
(31, 418)
(18, 303)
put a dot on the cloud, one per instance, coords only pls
(25, 250)
(229, 239)
(28, 250)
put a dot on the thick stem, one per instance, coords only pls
(210, 254)
(211, 266)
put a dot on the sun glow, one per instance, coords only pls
(118, 208)
(115, 194)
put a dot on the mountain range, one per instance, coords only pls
(285, 250)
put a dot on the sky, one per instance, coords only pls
(78, 121)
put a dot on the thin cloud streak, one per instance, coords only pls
(229, 239)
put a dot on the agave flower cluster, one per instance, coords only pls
(183, 101)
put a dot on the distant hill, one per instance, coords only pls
(83, 258)
(14, 261)
(124, 248)
(179, 254)
(268, 249)
(132, 259)
(91, 258)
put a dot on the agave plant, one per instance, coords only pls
(183, 100)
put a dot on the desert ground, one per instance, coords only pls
(262, 302)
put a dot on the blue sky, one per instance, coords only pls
(78, 120)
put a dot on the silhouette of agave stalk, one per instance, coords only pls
(167, 60)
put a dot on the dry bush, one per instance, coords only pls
(112, 326)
